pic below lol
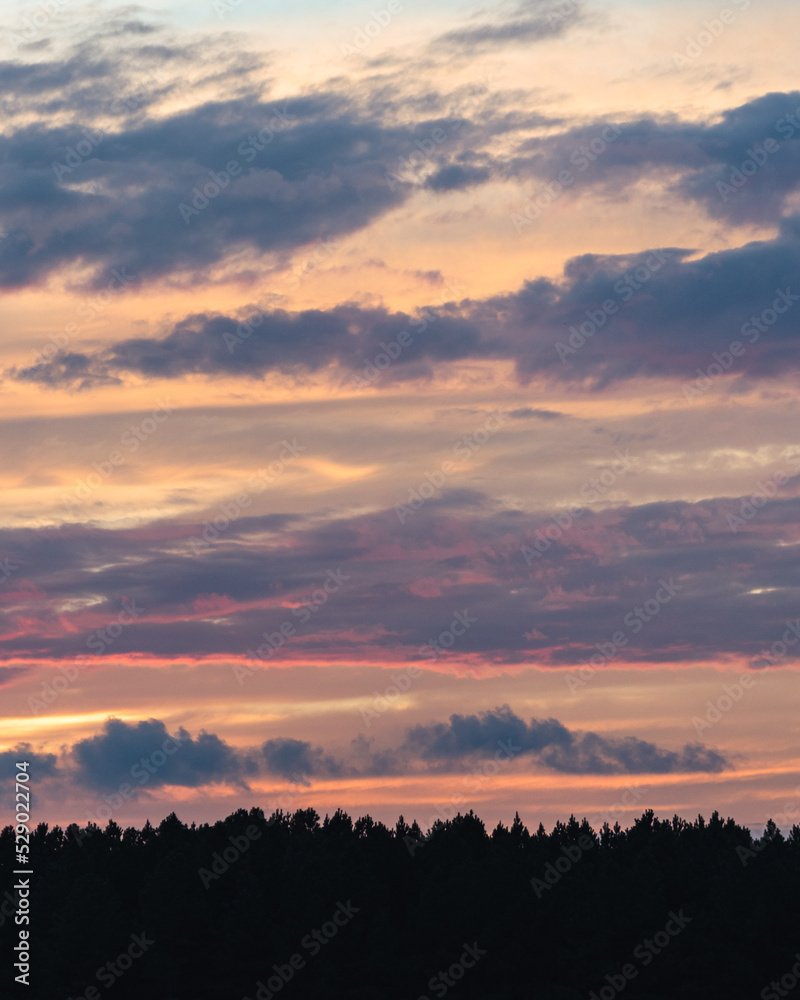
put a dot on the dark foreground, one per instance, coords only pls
(292, 907)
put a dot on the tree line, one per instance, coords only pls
(298, 907)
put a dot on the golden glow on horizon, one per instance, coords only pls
(21, 727)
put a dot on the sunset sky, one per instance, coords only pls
(399, 408)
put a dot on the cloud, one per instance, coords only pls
(43, 769)
(172, 193)
(294, 759)
(531, 21)
(154, 193)
(271, 340)
(527, 412)
(466, 735)
(9, 674)
(66, 369)
(160, 197)
(743, 167)
(150, 189)
(550, 743)
(635, 570)
(593, 754)
(146, 752)
(140, 756)
(450, 746)
(43, 765)
(457, 178)
(612, 318)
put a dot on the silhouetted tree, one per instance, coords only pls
(227, 905)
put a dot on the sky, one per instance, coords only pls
(398, 409)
